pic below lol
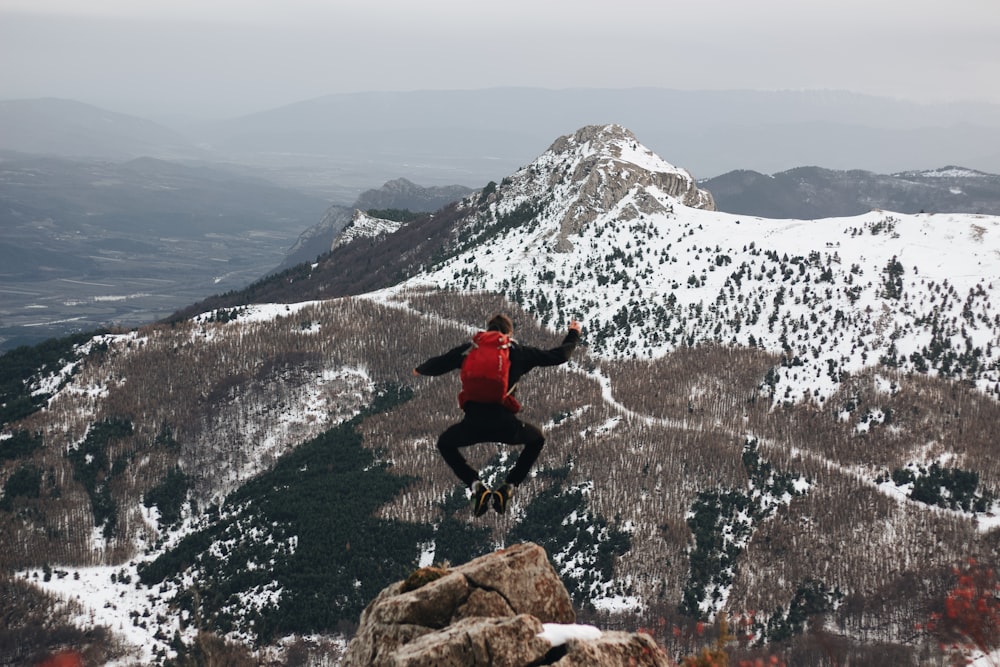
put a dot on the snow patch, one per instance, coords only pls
(558, 634)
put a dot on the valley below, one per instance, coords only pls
(94, 280)
(88, 245)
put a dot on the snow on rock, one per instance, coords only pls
(558, 634)
(365, 226)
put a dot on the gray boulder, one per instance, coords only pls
(505, 609)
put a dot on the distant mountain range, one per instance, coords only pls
(812, 192)
(66, 128)
(341, 145)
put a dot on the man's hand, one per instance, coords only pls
(575, 326)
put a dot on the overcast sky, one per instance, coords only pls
(217, 58)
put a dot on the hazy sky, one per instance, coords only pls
(229, 57)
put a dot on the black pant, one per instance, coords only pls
(490, 423)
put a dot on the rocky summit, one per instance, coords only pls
(507, 608)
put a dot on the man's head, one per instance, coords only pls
(500, 323)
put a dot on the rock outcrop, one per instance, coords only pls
(508, 608)
(363, 225)
(585, 176)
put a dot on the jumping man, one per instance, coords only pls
(492, 364)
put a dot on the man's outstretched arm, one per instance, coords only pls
(557, 355)
(443, 363)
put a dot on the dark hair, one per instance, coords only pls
(500, 323)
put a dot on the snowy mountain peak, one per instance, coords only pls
(601, 230)
(609, 163)
(600, 174)
(613, 146)
(603, 167)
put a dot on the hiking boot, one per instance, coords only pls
(480, 498)
(501, 497)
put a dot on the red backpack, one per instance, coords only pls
(485, 371)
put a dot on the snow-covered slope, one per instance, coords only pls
(601, 230)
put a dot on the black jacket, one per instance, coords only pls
(522, 358)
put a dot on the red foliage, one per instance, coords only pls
(63, 659)
(772, 661)
(971, 618)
